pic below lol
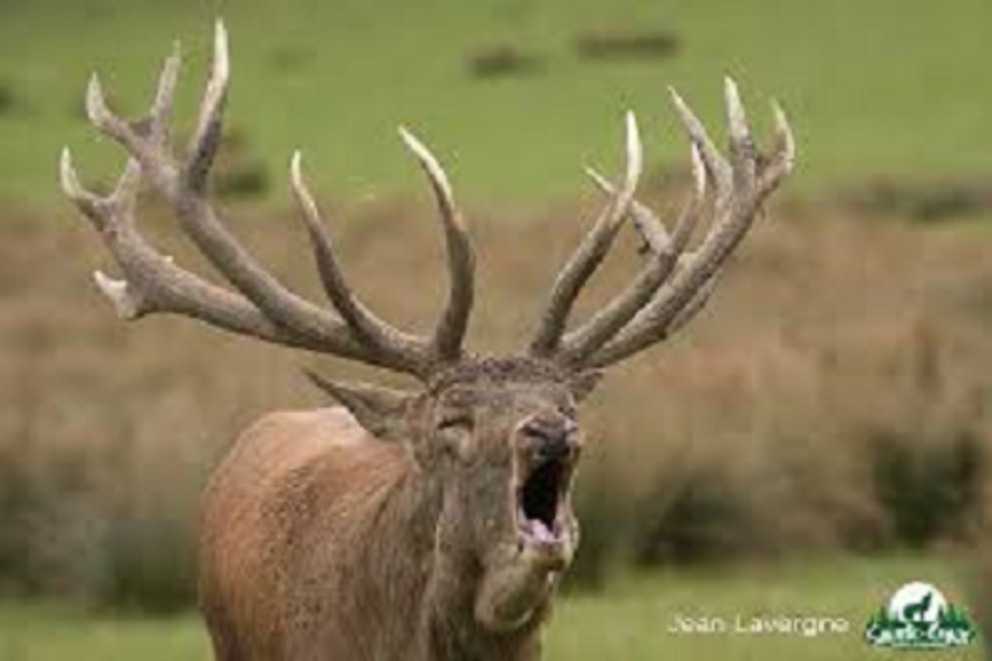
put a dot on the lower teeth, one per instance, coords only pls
(541, 532)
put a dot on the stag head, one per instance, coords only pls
(496, 438)
(499, 440)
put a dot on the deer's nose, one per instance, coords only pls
(554, 448)
(552, 441)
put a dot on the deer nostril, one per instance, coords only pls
(550, 440)
(554, 447)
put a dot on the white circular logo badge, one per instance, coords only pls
(918, 603)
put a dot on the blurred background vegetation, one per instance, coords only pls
(820, 436)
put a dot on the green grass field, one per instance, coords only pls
(878, 86)
(628, 623)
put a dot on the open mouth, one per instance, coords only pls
(542, 499)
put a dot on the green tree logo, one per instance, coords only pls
(919, 617)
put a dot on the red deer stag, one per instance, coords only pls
(427, 525)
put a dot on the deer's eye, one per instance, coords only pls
(455, 432)
(457, 423)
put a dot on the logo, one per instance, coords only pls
(919, 617)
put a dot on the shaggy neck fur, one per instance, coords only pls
(436, 587)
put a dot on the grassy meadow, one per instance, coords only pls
(875, 87)
(822, 434)
(628, 622)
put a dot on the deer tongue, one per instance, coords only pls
(541, 532)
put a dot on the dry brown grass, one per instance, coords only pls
(836, 349)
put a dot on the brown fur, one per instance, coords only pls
(320, 541)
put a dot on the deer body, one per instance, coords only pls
(282, 496)
(425, 525)
(315, 535)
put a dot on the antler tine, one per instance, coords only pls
(666, 252)
(450, 332)
(206, 140)
(590, 253)
(371, 331)
(152, 283)
(693, 307)
(88, 203)
(652, 231)
(200, 222)
(144, 139)
(125, 303)
(740, 193)
(165, 96)
(184, 189)
(197, 218)
(716, 165)
(114, 126)
(106, 217)
(743, 153)
(783, 158)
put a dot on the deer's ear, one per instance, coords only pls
(380, 411)
(583, 383)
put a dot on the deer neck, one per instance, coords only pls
(449, 629)
(433, 585)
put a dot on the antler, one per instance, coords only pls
(674, 285)
(590, 253)
(261, 306)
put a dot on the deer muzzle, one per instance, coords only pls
(546, 459)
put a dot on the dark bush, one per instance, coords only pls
(931, 490)
(699, 519)
(150, 561)
(626, 45)
(605, 531)
(8, 100)
(244, 179)
(18, 497)
(239, 172)
(37, 487)
(503, 61)
(12, 102)
(923, 201)
(290, 58)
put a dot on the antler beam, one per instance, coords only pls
(261, 306)
(590, 253)
(674, 285)
(667, 292)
